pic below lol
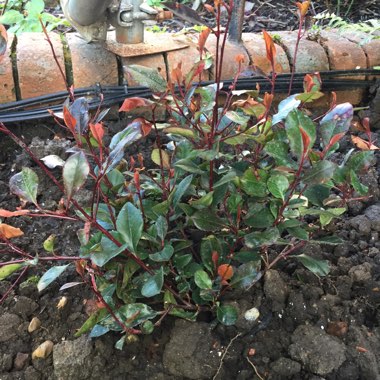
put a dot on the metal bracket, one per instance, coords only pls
(154, 43)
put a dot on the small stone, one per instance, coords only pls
(34, 325)
(5, 362)
(252, 314)
(21, 361)
(43, 350)
(361, 273)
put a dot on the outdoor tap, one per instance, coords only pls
(130, 19)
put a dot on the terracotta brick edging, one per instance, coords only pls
(35, 72)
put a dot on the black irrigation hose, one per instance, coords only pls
(17, 111)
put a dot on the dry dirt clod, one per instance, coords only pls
(43, 350)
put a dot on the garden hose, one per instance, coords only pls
(111, 95)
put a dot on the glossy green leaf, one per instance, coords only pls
(278, 185)
(161, 227)
(246, 275)
(50, 276)
(252, 185)
(75, 173)
(318, 267)
(206, 220)
(209, 245)
(25, 185)
(359, 187)
(147, 76)
(181, 189)
(130, 225)
(204, 201)
(227, 315)
(293, 124)
(164, 255)
(147, 327)
(135, 313)
(202, 279)
(178, 131)
(188, 166)
(91, 321)
(154, 284)
(259, 238)
(361, 160)
(321, 172)
(7, 270)
(260, 219)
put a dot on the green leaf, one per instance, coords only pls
(260, 219)
(162, 227)
(257, 238)
(237, 118)
(181, 189)
(253, 186)
(293, 124)
(209, 245)
(316, 194)
(204, 201)
(164, 255)
(147, 327)
(149, 77)
(75, 172)
(361, 160)
(91, 322)
(156, 158)
(284, 107)
(321, 172)
(25, 185)
(227, 178)
(11, 17)
(278, 185)
(34, 8)
(135, 313)
(154, 284)
(227, 315)
(50, 276)
(202, 279)
(7, 270)
(120, 343)
(246, 275)
(206, 220)
(279, 150)
(359, 187)
(184, 132)
(107, 251)
(307, 97)
(130, 225)
(318, 267)
(188, 166)
(336, 121)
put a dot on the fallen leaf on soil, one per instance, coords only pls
(34, 325)
(337, 328)
(43, 350)
(9, 232)
(363, 144)
(62, 303)
(9, 214)
(361, 349)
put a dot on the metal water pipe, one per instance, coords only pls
(237, 21)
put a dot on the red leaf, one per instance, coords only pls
(130, 104)
(225, 271)
(9, 214)
(210, 8)
(268, 98)
(136, 177)
(203, 35)
(69, 120)
(362, 144)
(215, 258)
(145, 126)
(176, 74)
(302, 8)
(9, 232)
(305, 141)
(97, 131)
(270, 47)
